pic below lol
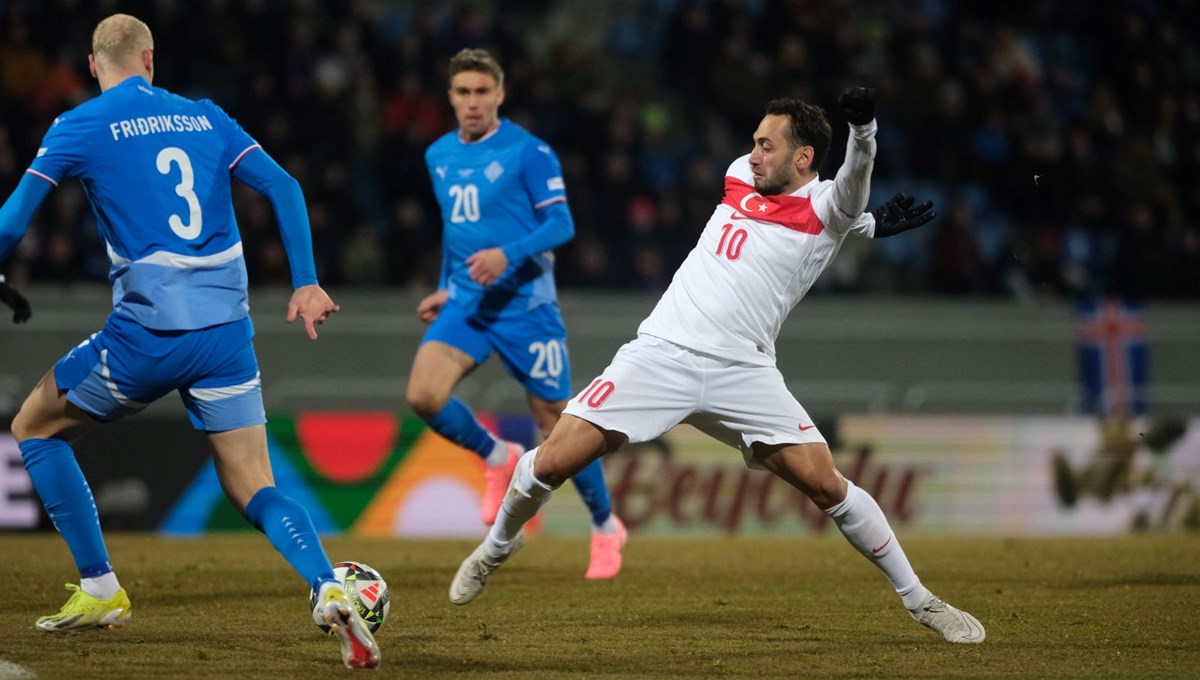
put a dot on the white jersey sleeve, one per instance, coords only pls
(840, 208)
(864, 226)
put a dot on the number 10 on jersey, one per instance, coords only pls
(731, 242)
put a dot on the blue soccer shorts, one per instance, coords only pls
(126, 366)
(532, 346)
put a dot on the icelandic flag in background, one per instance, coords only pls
(1113, 357)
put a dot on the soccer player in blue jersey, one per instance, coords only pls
(504, 211)
(157, 170)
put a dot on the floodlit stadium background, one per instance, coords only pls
(947, 366)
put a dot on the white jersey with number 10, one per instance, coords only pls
(759, 255)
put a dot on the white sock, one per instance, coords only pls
(517, 508)
(609, 527)
(864, 525)
(499, 454)
(101, 587)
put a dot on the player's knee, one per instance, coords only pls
(20, 426)
(827, 490)
(549, 471)
(27, 425)
(424, 402)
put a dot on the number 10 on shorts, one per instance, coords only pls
(596, 393)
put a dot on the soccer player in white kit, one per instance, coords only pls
(706, 354)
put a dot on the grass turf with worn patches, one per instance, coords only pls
(226, 606)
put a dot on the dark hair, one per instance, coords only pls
(480, 61)
(809, 126)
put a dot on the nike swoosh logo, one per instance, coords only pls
(875, 551)
(806, 428)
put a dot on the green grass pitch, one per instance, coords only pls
(227, 606)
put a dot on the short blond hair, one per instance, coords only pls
(120, 37)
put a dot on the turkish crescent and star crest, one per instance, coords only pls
(753, 202)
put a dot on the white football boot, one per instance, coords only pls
(473, 573)
(954, 625)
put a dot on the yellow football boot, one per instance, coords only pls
(83, 612)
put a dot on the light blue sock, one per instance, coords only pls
(456, 423)
(68, 500)
(290, 529)
(590, 485)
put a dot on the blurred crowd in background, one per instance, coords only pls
(1059, 140)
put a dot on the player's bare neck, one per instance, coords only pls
(114, 77)
(799, 183)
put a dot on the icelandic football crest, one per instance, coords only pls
(493, 171)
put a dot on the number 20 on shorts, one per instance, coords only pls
(596, 393)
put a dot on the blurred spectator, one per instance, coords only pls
(957, 266)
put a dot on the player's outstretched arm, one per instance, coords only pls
(15, 215)
(313, 305)
(260, 172)
(898, 215)
(852, 185)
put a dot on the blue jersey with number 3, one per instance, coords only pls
(156, 168)
(489, 192)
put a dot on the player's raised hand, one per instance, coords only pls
(857, 104)
(898, 215)
(11, 297)
(431, 305)
(487, 265)
(312, 304)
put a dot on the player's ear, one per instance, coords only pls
(501, 92)
(148, 61)
(92, 66)
(803, 157)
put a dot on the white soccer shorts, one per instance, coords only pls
(653, 385)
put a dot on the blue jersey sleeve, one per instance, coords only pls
(541, 174)
(237, 141)
(18, 210)
(62, 151)
(261, 173)
(555, 227)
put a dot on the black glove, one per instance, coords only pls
(898, 215)
(20, 306)
(858, 104)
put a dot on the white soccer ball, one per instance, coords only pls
(367, 590)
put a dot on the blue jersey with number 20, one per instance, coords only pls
(489, 192)
(156, 168)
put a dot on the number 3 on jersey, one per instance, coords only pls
(187, 180)
(466, 203)
(731, 242)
